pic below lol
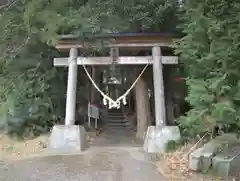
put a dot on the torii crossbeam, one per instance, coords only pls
(132, 60)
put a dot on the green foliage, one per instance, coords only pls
(211, 53)
(49, 18)
(172, 146)
(192, 124)
(30, 102)
(31, 89)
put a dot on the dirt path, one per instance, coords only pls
(122, 162)
(108, 164)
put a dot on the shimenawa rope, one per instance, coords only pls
(108, 100)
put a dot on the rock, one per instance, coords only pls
(67, 139)
(157, 138)
(201, 159)
(227, 163)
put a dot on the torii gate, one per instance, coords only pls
(155, 41)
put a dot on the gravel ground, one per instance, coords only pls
(99, 164)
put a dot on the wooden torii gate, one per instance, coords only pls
(153, 41)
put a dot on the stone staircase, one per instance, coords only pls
(117, 129)
(117, 120)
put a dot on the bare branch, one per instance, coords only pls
(8, 5)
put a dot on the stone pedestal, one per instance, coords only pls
(157, 138)
(226, 164)
(201, 158)
(67, 139)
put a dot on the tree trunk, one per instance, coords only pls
(169, 91)
(94, 94)
(142, 108)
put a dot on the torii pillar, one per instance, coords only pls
(69, 137)
(71, 88)
(159, 98)
(158, 136)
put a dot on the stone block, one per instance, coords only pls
(157, 138)
(67, 139)
(201, 159)
(226, 164)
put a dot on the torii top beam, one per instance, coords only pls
(121, 40)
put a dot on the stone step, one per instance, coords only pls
(119, 130)
(116, 121)
(119, 114)
(116, 125)
(116, 117)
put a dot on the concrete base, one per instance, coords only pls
(67, 139)
(201, 158)
(157, 138)
(226, 164)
